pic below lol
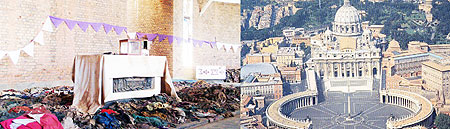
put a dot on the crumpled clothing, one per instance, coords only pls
(18, 109)
(108, 120)
(198, 96)
(205, 114)
(155, 121)
(30, 120)
(109, 111)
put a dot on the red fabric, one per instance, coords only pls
(47, 121)
(32, 125)
(109, 111)
(17, 109)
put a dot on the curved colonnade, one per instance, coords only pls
(420, 106)
(276, 112)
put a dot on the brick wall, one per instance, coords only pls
(153, 16)
(52, 63)
(220, 22)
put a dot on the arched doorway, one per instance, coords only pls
(374, 71)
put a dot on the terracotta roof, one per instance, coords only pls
(437, 66)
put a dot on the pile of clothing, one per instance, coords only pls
(233, 75)
(200, 100)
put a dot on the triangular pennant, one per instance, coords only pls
(107, 27)
(83, 25)
(161, 37)
(140, 35)
(209, 43)
(118, 29)
(47, 25)
(29, 49)
(151, 37)
(199, 43)
(39, 38)
(96, 26)
(179, 39)
(219, 45)
(2, 54)
(14, 56)
(56, 21)
(132, 35)
(213, 44)
(70, 24)
(170, 39)
(227, 47)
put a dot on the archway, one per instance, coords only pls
(374, 71)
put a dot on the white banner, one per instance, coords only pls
(48, 26)
(14, 55)
(29, 49)
(210, 72)
(39, 38)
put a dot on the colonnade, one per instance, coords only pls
(347, 69)
(290, 106)
(347, 29)
(402, 101)
(420, 106)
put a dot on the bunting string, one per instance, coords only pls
(52, 23)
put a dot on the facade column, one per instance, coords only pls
(371, 69)
(317, 100)
(388, 99)
(339, 69)
(326, 70)
(345, 70)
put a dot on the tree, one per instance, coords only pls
(442, 121)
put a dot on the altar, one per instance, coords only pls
(102, 78)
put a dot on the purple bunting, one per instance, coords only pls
(213, 44)
(56, 21)
(107, 27)
(118, 29)
(83, 25)
(161, 37)
(70, 23)
(151, 37)
(179, 39)
(140, 35)
(170, 39)
(96, 26)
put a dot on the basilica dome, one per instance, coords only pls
(347, 14)
(347, 21)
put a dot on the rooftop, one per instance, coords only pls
(263, 68)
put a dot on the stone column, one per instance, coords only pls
(317, 99)
(345, 70)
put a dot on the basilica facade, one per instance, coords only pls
(346, 57)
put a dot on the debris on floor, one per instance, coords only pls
(200, 100)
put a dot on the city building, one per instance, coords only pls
(271, 49)
(262, 79)
(274, 40)
(289, 32)
(289, 56)
(298, 39)
(257, 58)
(291, 74)
(436, 76)
(443, 49)
(347, 53)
